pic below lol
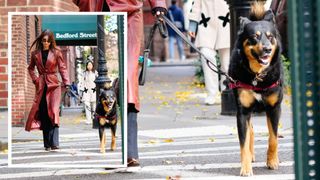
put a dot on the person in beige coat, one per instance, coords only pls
(213, 35)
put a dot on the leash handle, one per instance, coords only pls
(164, 33)
(162, 28)
(143, 72)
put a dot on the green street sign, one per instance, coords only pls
(72, 29)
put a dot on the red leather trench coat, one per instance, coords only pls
(135, 34)
(47, 76)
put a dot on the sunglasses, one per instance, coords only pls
(45, 41)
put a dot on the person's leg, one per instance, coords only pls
(44, 118)
(87, 108)
(180, 48)
(93, 109)
(46, 141)
(210, 77)
(224, 55)
(171, 47)
(55, 137)
(132, 133)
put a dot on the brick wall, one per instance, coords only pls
(21, 6)
(19, 64)
(23, 88)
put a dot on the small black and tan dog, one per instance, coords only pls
(256, 67)
(106, 115)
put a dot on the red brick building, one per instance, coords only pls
(25, 28)
(24, 91)
(21, 6)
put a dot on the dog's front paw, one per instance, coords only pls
(253, 158)
(103, 151)
(273, 163)
(246, 169)
(113, 146)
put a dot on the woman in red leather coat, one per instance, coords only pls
(44, 113)
(135, 37)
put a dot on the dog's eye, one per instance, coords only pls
(255, 36)
(270, 37)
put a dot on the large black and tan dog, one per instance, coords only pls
(257, 69)
(106, 114)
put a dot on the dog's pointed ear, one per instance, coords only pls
(269, 16)
(243, 22)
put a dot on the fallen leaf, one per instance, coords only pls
(280, 125)
(211, 139)
(167, 162)
(168, 140)
(153, 141)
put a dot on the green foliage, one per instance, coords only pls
(110, 23)
(286, 67)
(199, 75)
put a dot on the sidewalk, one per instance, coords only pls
(71, 122)
(177, 62)
(3, 130)
(170, 100)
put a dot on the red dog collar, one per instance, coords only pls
(239, 84)
(108, 117)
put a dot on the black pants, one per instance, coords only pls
(50, 131)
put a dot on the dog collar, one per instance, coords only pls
(239, 84)
(108, 117)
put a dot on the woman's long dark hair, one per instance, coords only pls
(38, 41)
(93, 70)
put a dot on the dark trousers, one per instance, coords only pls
(50, 131)
(132, 132)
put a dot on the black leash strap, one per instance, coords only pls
(164, 33)
(70, 93)
(211, 65)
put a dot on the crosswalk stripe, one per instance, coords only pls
(143, 156)
(145, 144)
(207, 166)
(61, 172)
(260, 177)
(199, 131)
(80, 153)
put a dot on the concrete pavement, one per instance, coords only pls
(79, 145)
(3, 137)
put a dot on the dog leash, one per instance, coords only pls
(209, 63)
(164, 33)
(70, 93)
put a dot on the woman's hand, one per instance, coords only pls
(68, 89)
(192, 34)
(159, 10)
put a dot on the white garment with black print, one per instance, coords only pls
(211, 33)
(89, 87)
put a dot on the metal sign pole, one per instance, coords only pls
(304, 52)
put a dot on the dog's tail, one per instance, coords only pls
(257, 11)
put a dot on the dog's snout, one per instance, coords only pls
(267, 49)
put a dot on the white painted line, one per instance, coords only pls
(142, 156)
(65, 153)
(197, 131)
(55, 173)
(80, 153)
(221, 177)
(208, 166)
(62, 172)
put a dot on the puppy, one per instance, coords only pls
(256, 67)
